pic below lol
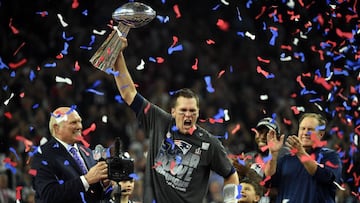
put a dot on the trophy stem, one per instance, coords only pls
(106, 55)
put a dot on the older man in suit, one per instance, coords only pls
(65, 169)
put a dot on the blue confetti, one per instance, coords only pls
(66, 163)
(66, 46)
(152, 59)
(274, 36)
(82, 197)
(174, 128)
(110, 71)
(176, 48)
(45, 163)
(35, 106)
(239, 192)
(169, 140)
(66, 38)
(85, 12)
(209, 87)
(61, 182)
(240, 34)
(14, 152)
(220, 114)
(11, 168)
(86, 47)
(134, 176)
(163, 19)
(3, 65)
(92, 40)
(248, 4)
(32, 75)
(95, 92)
(216, 7)
(50, 65)
(119, 99)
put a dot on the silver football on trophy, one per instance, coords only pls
(134, 14)
(129, 15)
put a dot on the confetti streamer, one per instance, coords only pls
(209, 87)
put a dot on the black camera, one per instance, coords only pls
(120, 167)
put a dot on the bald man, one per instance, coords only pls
(65, 169)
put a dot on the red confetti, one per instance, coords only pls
(18, 192)
(175, 41)
(18, 49)
(84, 150)
(159, 163)
(8, 160)
(221, 73)
(223, 25)
(8, 115)
(295, 110)
(26, 142)
(60, 56)
(305, 158)
(210, 41)
(347, 35)
(13, 29)
(356, 179)
(236, 129)
(77, 66)
(146, 109)
(287, 121)
(160, 60)
(331, 165)
(83, 141)
(263, 72)
(323, 82)
(172, 166)
(191, 131)
(262, 183)
(75, 4)
(90, 129)
(195, 66)
(32, 172)
(261, 12)
(287, 47)
(177, 11)
(18, 64)
(263, 60)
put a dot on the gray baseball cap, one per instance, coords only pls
(270, 123)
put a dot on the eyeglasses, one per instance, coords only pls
(190, 112)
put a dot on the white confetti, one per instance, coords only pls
(226, 115)
(264, 97)
(251, 36)
(225, 2)
(288, 58)
(63, 23)
(141, 65)
(7, 101)
(102, 32)
(104, 119)
(63, 80)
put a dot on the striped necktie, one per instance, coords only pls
(78, 159)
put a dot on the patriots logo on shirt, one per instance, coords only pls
(183, 146)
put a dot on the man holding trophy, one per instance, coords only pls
(181, 154)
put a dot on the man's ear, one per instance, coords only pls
(173, 112)
(257, 198)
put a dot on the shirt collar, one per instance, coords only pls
(67, 146)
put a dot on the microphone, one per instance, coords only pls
(99, 153)
(117, 147)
